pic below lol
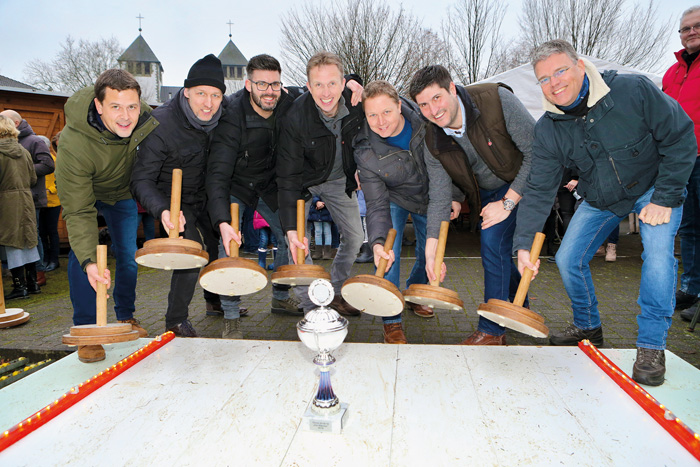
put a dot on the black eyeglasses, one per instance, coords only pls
(686, 30)
(263, 85)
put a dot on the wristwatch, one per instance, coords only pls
(508, 204)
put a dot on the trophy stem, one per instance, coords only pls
(325, 402)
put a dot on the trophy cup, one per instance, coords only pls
(323, 330)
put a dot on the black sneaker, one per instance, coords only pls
(572, 335)
(689, 313)
(184, 329)
(650, 367)
(684, 300)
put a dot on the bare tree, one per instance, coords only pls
(605, 29)
(373, 40)
(78, 64)
(472, 29)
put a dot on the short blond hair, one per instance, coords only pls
(380, 88)
(7, 128)
(324, 58)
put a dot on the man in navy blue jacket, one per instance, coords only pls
(634, 149)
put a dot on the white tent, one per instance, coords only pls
(522, 80)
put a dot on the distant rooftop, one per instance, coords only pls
(13, 83)
(139, 51)
(230, 55)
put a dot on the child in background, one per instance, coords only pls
(321, 217)
(266, 237)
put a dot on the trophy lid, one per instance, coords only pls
(322, 319)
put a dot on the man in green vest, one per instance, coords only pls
(482, 135)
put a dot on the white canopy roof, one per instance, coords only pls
(522, 80)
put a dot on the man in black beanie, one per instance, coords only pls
(182, 141)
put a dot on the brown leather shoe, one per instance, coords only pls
(481, 338)
(393, 334)
(91, 353)
(424, 311)
(41, 278)
(343, 307)
(135, 326)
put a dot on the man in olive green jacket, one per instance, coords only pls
(104, 126)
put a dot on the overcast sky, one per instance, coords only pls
(180, 32)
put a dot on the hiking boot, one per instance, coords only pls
(393, 334)
(91, 353)
(214, 309)
(184, 329)
(135, 326)
(288, 306)
(650, 367)
(611, 252)
(572, 335)
(684, 300)
(232, 329)
(600, 251)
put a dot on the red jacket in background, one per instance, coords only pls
(684, 86)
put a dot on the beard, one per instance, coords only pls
(257, 98)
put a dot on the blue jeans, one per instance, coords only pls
(231, 304)
(690, 235)
(501, 276)
(322, 233)
(122, 222)
(149, 227)
(399, 216)
(587, 231)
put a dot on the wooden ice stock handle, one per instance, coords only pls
(101, 303)
(235, 221)
(175, 194)
(2, 301)
(527, 273)
(440, 253)
(301, 230)
(388, 245)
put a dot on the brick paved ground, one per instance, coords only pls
(616, 283)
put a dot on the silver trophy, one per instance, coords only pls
(323, 330)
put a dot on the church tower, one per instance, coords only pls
(139, 60)
(234, 64)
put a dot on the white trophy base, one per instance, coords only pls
(312, 421)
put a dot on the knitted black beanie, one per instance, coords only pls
(206, 71)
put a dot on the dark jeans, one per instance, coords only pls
(501, 276)
(48, 231)
(122, 221)
(690, 235)
(40, 246)
(183, 281)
